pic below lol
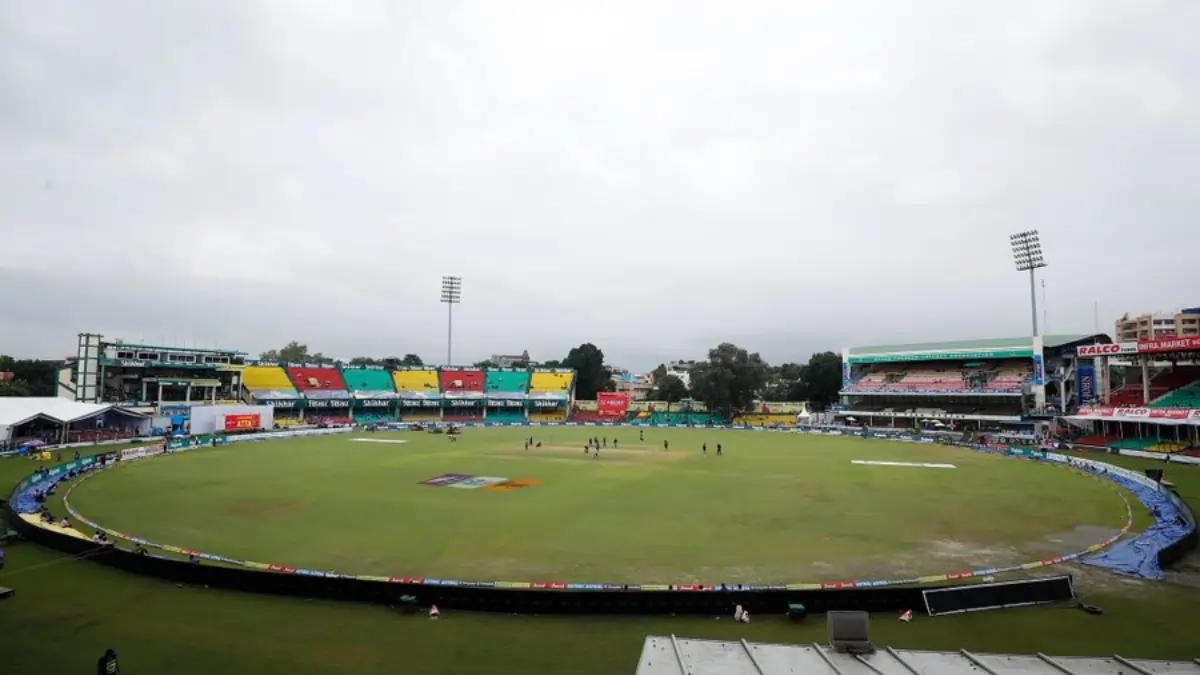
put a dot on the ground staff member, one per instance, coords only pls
(108, 664)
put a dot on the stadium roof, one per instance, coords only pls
(14, 411)
(195, 350)
(668, 655)
(993, 343)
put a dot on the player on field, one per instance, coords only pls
(704, 448)
(718, 449)
(665, 445)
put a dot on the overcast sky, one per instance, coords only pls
(653, 177)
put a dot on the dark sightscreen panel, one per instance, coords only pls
(988, 596)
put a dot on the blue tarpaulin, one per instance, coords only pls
(1139, 555)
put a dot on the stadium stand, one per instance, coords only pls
(285, 422)
(461, 380)
(416, 380)
(578, 415)
(462, 415)
(363, 382)
(1187, 396)
(330, 419)
(505, 415)
(506, 381)
(1148, 443)
(373, 417)
(542, 380)
(1009, 377)
(930, 377)
(554, 416)
(266, 378)
(765, 419)
(310, 379)
(420, 415)
(661, 417)
(268, 382)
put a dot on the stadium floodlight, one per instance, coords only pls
(1027, 254)
(451, 296)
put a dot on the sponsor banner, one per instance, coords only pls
(327, 403)
(1107, 350)
(1175, 344)
(144, 451)
(612, 402)
(1140, 414)
(1085, 382)
(494, 402)
(243, 421)
(1039, 371)
(462, 394)
(407, 402)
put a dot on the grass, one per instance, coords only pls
(66, 612)
(775, 508)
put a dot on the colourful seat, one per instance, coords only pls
(506, 381)
(547, 380)
(310, 378)
(266, 377)
(365, 381)
(424, 380)
(458, 379)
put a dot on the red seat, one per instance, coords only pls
(453, 379)
(316, 379)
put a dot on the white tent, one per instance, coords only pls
(17, 411)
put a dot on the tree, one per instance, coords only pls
(293, 352)
(590, 374)
(552, 364)
(658, 373)
(411, 360)
(30, 377)
(670, 389)
(730, 379)
(359, 361)
(822, 379)
(486, 363)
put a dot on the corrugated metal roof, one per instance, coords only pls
(990, 343)
(668, 655)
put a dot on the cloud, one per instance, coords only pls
(652, 178)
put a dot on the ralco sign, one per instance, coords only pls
(1107, 350)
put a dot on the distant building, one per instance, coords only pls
(510, 361)
(1157, 325)
(637, 386)
(682, 370)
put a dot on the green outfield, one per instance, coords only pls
(774, 508)
(67, 611)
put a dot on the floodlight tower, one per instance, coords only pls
(1027, 254)
(451, 296)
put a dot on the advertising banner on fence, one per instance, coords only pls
(243, 421)
(613, 403)
(1162, 415)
